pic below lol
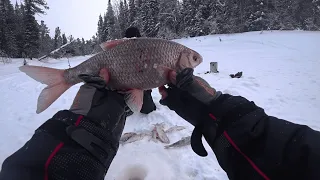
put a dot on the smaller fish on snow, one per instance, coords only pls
(154, 135)
(127, 136)
(175, 129)
(161, 135)
(182, 142)
(131, 137)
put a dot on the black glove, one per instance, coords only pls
(195, 86)
(189, 98)
(104, 112)
(185, 105)
(82, 141)
(101, 106)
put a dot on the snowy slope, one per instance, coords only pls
(281, 74)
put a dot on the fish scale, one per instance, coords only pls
(133, 65)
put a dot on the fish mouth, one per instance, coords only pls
(189, 59)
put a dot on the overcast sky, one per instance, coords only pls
(76, 17)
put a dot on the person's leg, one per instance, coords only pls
(148, 104)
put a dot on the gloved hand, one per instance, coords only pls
(100, 105)
(194, 85)
(102, 109)
(190, 96)
(97, 103)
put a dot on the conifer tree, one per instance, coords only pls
(19, 34)
(105, 32)
(122, 19)
(46, 43)
(111, 22)
(64, 39)
(151, 20)
(7, 29)
(57, 38)
(168, 18)
(132, 13)
(100, 29)
(126, 12)
(31, 33)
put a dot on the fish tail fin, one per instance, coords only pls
(51, 77)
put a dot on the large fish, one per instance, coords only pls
(133, 65)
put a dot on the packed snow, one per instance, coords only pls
(280, 74)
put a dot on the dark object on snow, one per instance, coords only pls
(70, 51)
(214, 67)
(132, 32)
(208, 72)
(148, 105)
(238, 75)
(25, 62)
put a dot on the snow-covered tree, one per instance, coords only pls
(168, 18)
(126, 12)
(122, 19)
(64, 39)
(45, 41)
(57, 38)
(309, 15)
(132, 12)
(19, 34)
(189, 12)
(70, 38)
(284, 14)
(141, 15)
(31, 32)
(100, 29)
(22, 36)
(151, 21)
(7, 28)
(37, 6)
(105, 32)
(111, 23)
(256, 16)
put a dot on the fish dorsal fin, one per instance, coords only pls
(134, 99)
(111, 44)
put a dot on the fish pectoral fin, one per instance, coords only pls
(111, 44)
(134, 99)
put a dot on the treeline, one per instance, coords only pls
(22, 36)
(175, 18)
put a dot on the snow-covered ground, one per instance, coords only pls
(280, 73)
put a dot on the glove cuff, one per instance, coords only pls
(227, 109)
(78, 131)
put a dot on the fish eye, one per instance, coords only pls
(195, 58)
